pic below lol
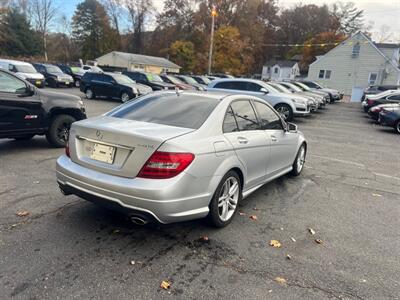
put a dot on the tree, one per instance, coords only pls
(348, 18)
(91, 29)
(183, 54)
(17, 39)
(231, 55)
(43, 13)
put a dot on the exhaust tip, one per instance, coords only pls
(139, 220)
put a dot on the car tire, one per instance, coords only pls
(300, 160)
(58, 132)
(89, 94)
(124, 97)
(225, 202)
(285, 111)
(397, 127)
(24, 137)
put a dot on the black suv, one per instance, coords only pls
(53, 75)
(26, 111)
(75, 72)
(152, 80)
(111, 85)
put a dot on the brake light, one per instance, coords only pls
(370, 102)
(163, 165)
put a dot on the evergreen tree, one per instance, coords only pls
(91, 29)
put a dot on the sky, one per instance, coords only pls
(383, 15)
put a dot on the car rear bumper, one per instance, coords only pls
(166, 200)
(388, 119)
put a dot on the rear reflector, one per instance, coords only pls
(163, 165)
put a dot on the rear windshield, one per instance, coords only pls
(188, 111)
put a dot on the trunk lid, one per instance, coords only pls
(118, 146)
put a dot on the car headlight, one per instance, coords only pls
(81, 103)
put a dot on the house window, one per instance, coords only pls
(321, 74)
(276, 70)
(372, 78)
(356, 50)
(328, 74)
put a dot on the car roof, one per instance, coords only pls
(212, 95)
(15, 62)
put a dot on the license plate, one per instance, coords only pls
(38, 82)
(103, 153)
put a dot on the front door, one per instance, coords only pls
(18, 114)
(251, 145)
(283, 143)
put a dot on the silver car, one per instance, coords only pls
(175, 156)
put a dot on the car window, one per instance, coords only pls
(12, 68)
(394, 97)
(268, 118)
(230, 124)
(10, 84)
(186, 111)
(225, 85)
(143, 77)
(245, 117)
(251, 86)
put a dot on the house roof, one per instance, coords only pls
(281, 63)
(144, 59)
(297, 57)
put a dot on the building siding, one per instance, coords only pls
(348, 72)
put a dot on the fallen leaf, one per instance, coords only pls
(275, 244)
(132, 262)
(282, 228)
(376, 195)
(242, 213)
(280, 280)
(288, 257)
(23, 213)
(254, 217)
(165, 285)
(312, 231)
(293, 239)
(318, 241)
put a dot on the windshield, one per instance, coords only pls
(122, 79)
(153, 77)
(303, 86)
(189, 79)
(269, 87)
(205, 79)
(169, 109)
(26, 69)
(280, 88)
(292, 87)
(53, 69)
(174, 79)
(77, 70)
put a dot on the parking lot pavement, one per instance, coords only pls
(348, 194)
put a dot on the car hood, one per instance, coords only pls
(58, 97)
(30, 75)
(143, 89)
(332, 91)
(163, 84)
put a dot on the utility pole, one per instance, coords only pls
(210, 54)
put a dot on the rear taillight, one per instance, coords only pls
(67, 150)
(162, 165)
(370, 102)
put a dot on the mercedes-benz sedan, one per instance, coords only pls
(175, 156)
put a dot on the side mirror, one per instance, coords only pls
(264, 90)
(291, 127)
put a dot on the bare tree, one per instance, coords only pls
(114, 9)
(43, 13)
(348, 17)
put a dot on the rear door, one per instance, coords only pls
(251, 144)
(18, 114)
(102, 85)
(283, 143)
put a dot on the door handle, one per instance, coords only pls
(273, 138)
(242, 140)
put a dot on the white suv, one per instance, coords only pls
(287, 105)
(23, 70)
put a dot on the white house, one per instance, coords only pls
(357, 63)
(281, 69)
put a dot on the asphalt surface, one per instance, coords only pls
(349, 194)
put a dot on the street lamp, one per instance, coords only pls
(213, 15)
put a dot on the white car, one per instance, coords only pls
(287, 105)
(23, 70)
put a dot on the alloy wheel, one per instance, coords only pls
(301, 159)
(89, 94)
(284, 112)
(63, 131)
(398, 127)
(124, 97)
(228, 199)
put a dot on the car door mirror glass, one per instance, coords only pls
(291, 127)
(264, 90)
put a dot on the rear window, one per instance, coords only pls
(188, 111)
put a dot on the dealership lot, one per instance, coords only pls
(349, 194)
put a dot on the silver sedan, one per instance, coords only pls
(175, 156)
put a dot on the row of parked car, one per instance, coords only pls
(42, 74)
(382, 103)
(289, 98)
